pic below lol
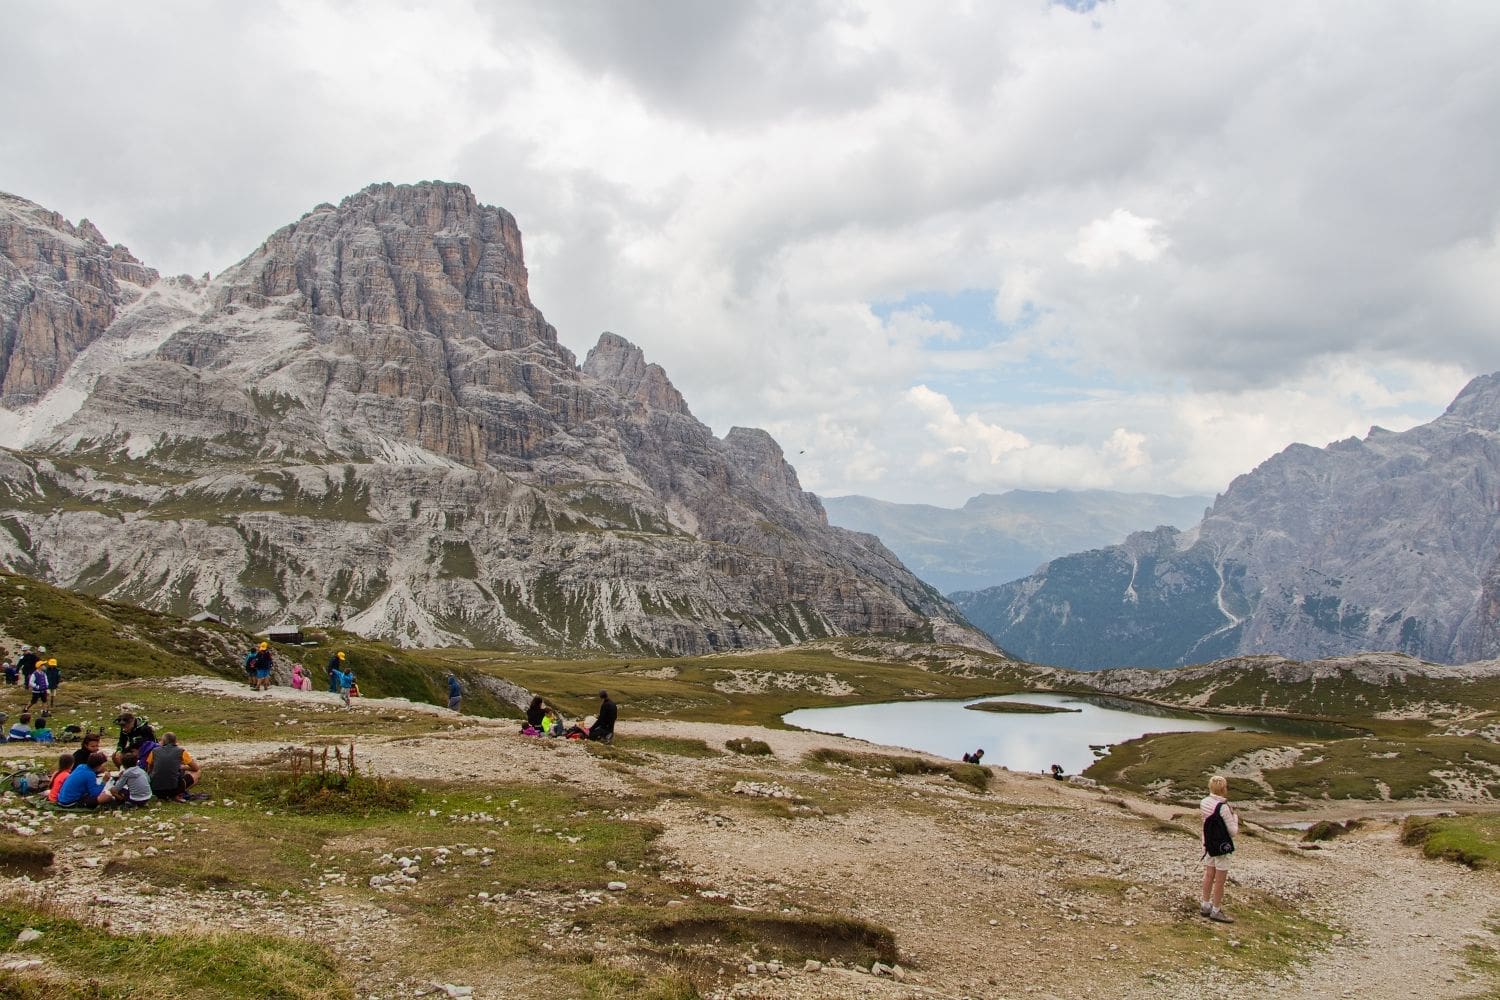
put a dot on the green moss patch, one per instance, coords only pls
(85, 960)
(1018, 708)
(1472, 840)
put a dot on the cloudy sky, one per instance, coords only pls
(935, 250)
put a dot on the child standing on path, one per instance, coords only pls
(1218, 845)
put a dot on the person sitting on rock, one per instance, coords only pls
(299, 678)
(83, 786)
(1057, 771)
(130, 789)
(975, 757)
(133, 733)
(172, 770)
(603, 729)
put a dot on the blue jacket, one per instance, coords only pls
(81, 782)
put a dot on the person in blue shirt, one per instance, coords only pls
(21, 731)
(83, 786)
(455, 692)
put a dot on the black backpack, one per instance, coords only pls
(1216, 839)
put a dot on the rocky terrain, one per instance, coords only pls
(1390, 542)
(766, 876)
(368, 422)
(998, 537)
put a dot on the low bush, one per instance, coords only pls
(976, 776)
(749, 747)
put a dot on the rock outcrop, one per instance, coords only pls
(368, 422)
(61, 286)
(1386, 543)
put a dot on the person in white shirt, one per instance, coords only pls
(1216, 867)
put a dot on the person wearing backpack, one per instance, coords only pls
(37, 684)
(1220, 827)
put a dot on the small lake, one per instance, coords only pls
(1023, 742)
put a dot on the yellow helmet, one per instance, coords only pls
(341, 654)
(51, 663)
(265, 645)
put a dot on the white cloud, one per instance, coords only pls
(1105, 242)
(1206, 233)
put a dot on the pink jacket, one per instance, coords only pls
(1206, 807)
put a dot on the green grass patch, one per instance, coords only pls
(976, 776)
(1472, 840)
(1180, 763)
(1268, 935)
(748, 747)
(328, 792)
(86, 960)
(1018, 708)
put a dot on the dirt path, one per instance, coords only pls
(1036, 888)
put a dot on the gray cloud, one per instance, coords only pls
(733, 185)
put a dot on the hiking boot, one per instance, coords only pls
(1219, 916)
(1205, 908)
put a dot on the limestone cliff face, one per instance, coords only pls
(367, 421)
(1386, 543)
(61, 286)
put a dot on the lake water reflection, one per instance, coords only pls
(1021, 742)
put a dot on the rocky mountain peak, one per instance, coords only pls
(422, 256)
(621, 365)
(367, 422)
(61, 286)
(1478, 403)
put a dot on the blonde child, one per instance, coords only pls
(1215, 864)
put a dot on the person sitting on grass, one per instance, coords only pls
(82, 788)
(130, 789)
(21, 731)
(87, 747)
(64, 768)
(173, 770)
(41, 729)
(133, 733)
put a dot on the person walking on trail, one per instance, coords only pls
(1220, 827)
(263, 663)
(455, 692)
(603, 729)
(335, 666)
(54, 681)
(26, 664)
(341, 681)
(37, 685)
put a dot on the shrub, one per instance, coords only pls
(1329, 829)
(976, 776)
(749, 747)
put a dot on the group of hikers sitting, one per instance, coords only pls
(145, 770)
(544, 719)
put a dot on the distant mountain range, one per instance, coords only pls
(1387, 543)
(367, 422)
(999, 537)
